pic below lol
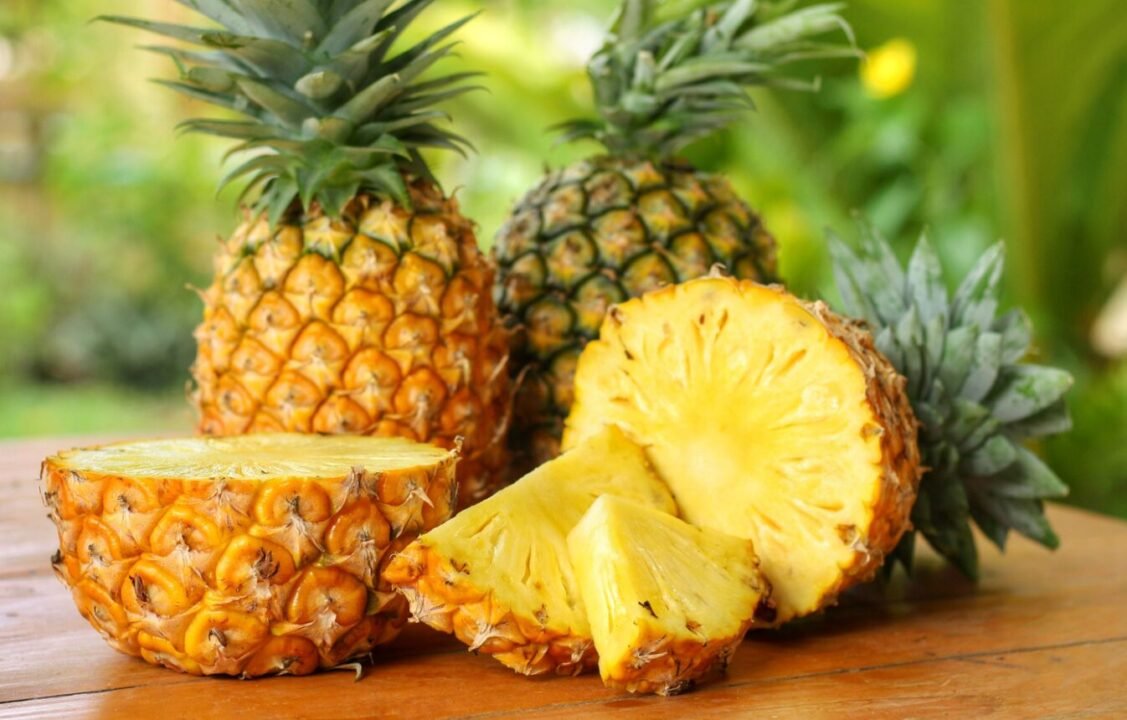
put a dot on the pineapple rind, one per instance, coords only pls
(498, 576)
(668, 602)
(380, 322)
(262, 556)
(594, 234)
(692, 372)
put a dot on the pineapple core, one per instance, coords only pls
(498, 574)
(667, 601)
(769, 418)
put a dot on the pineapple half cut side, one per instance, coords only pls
(498, 576)
(668, 602)
(769, 418)
(246, 555)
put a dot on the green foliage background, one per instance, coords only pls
(1015, 127)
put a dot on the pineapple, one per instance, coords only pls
(668, 602)
(498, 574)
(977, 401)
(770, 419)
(613, 227)
(249, 555)
(353, 298)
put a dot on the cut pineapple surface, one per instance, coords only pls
(498, 574)
(246, 555)
(769, 418)
(668, 602)
(257, 457)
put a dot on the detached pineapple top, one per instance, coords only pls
(673, 72)
(977, 399)
(336, 111)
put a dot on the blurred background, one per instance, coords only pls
(973, 119)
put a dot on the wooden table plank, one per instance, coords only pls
(1044, 634)
(969, 685)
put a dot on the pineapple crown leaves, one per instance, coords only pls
(330, 106)
(977, 400)
(676, 71)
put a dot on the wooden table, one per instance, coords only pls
(1043, 635)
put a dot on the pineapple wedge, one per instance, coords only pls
(770, 419)
(668, 602)
(498, 577)
(247, 555)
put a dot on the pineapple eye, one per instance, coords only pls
(265, 566)
(283, 655)
(140, 590)
(648, 272)
(283, 501)
(330, 596)
(218, 637)
(605, 191)
(249, 560)
(356, 528)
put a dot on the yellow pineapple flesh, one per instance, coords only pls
(498, 577)
(378, 322)
(769, 418)
(248, 555)
(668, 602)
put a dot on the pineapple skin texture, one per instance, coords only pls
(597, 233)
(379, 323)
(441, 598)
(241, 577)
(899, 469)
(887, 396)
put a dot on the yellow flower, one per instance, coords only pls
(889, 69)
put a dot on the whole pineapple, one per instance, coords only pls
(977, 399)
(615, 226)
(353, 298)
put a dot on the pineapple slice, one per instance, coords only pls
(250, 555)
(668, 602)
(498, 574)
(770, 419)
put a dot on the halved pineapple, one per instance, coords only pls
(246, 555)
(668, 602)
(769, 418)
(498, 574)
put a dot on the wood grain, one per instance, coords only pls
(1042, 635)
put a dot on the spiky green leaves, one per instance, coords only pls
(672, 73)
(330, 107)
(976, 400)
